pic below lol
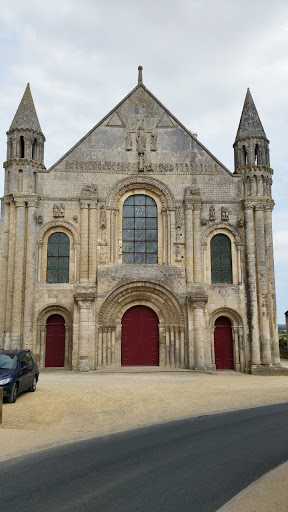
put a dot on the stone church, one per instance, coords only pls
(138, 247)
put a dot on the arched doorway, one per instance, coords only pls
(223, 344)
(55, 341)
(140, 337)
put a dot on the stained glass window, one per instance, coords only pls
(221, 260)
(140, 230)
(58, 258)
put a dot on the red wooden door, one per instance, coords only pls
(140, 337)
(55, 341)
(223, 344)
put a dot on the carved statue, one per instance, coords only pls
(153, 141)
(224, 213)
(212, 215)
(58, 210)
(178, 218)
(103, 218)
(129, 145)
(141, 138)
(178, 253)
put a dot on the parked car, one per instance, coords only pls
(18, 372)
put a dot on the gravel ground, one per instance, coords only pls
(69, 406)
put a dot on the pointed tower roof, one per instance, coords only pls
(26, 116)
(250, 123)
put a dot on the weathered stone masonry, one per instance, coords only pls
(195, 283)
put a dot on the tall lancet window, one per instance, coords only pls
(221, 259)
(140, 230)
(58, 258)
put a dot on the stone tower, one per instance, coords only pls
(25, 153)
(251, 152)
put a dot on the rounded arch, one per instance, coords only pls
(227, 229)
(236, 248)
(152, 295)
(55, 226)
(43, 316)
(234, 317)
(139, 182)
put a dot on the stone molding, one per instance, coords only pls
(59, 224)
(140, 182)
(229, 228)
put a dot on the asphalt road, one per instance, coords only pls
(193, 465)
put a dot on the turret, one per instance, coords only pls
(251, 152)
(25, 148)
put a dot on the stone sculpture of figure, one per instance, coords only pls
(103, 219)
(178, 253)
(141, 138)
(224, 213)
(212, 215)
(89, 189)
(129, 141)
(153, 141)
(58, 210)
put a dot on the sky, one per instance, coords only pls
(198, 58)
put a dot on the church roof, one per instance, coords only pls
(250, 124)
(26, 116)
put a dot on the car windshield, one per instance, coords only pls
(8, 361)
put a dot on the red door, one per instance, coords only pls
(223, 344)
(140, 337)
(55, 341)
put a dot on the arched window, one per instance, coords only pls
(34, 150)
(22, 147)
(140, 230)
(221, 260)
(58, 258)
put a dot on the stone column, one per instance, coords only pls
(99, 351)
(84, 260)
(197, 244)
(167, 344)
(251, 283)
(188, 242)
(92, 242)
(18, 278)
(10, 274)
(84, 302)
(262, 284)
(30, 272)
(4, 261)
(213, 365)
(164, 236)
(271, 283)
(198, 306)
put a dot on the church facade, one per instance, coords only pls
(138, 247)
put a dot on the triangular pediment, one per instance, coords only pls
(165, 150)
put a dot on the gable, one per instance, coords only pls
(140, 135)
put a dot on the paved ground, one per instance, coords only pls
(69, 406)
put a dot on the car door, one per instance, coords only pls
(24, 378)
(30, 373)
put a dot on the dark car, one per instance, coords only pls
(18, 372)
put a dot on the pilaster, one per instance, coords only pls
(18, 278)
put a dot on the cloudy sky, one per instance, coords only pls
(199, 57)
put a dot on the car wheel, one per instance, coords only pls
(33, 385)
(13, 396)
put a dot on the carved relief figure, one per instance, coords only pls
(178, 253)
(89, 189)
(103, 222)
(129, 144)
(212, 215)
(141, 138)
(58, 210)
(153, 141)
(224, 213)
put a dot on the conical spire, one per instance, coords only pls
(26, 116)
(250, 124)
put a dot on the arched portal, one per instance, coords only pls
(223, 344)
(140, 337)
(55, 341)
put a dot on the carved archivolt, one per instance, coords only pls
(59, 224)
(54, 309)
(150, 294)
(140, 182)
(234, 317)
(226, 227)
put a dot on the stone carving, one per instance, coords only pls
(204, 222)
(129, 144)
(241, 223)
(212, 215)
(103, 257)
(103, 218)
(190, 191)
(88, 190)
(58, 210)
(224, 213)
(75, 217)
(40, 219)
(141, 162)
(178, 218)
(141, 137)
(178, 253)
(153, 141)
